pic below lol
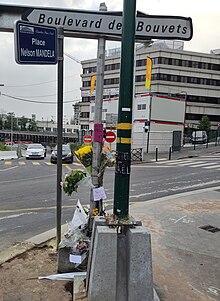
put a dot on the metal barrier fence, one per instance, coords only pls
(137, 154)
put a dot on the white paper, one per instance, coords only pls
(99, 193)
(75, 258)
(63, 276)
(79, 217)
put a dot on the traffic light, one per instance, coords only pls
(146, 125)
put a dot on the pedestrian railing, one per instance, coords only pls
(137, 154)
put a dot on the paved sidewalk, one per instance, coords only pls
(185, 152)
(186, 258)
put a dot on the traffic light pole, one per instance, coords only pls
(123, 149)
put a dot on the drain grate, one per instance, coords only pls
(210, 228)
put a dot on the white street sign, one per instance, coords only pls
(109, 24)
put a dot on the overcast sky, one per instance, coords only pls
(38, 83)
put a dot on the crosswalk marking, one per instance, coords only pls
(8, 162)
(190, 163)
(203, 164)
(21, 163)
(173, 162)
(77, 164)
(209, 167)
(35, 163)
(207, 162)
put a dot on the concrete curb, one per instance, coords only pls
(20, 248)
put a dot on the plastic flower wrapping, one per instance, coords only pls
(78, 177)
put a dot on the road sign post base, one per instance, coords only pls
(121, 265)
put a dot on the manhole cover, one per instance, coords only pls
(210, 228)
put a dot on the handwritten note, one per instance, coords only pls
(99, 194)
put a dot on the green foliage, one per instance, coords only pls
(204, 123)
(71, 181)
(4, 147)
(32, 126)
(75, 146)
(23, 123)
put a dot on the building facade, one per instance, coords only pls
(191, 75)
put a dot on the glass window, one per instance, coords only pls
(141, 106)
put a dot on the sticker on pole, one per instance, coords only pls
(87, 139)
(110, 137)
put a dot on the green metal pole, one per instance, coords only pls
(123, 148)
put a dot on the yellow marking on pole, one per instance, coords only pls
(35, 163)
(124, 126)
(21, 163)
(8, 162)
(124, 140)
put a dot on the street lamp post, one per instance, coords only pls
(11, 131)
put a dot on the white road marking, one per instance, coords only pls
(204, 164)
(177, 162)
(209, 167)
(190, 163)
(17, 215)
(8, 168)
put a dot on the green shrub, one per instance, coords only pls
(4, 147)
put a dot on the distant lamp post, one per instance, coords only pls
(11, 131)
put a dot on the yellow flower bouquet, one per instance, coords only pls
(84, 155)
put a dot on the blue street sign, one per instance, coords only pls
(35, 44)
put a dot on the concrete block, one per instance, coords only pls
(139, 258)
(64, 265)
(98, 221)
(102, 281)
(79, 288)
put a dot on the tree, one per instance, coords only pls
(204, 123)
(23, 123)
(9, 121)
(1, 123)
(32, 126)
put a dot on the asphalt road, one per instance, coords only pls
(28, 190)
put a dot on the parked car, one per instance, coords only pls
(67, 156)
(35, 151)
(199, 137)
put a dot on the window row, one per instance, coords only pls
(182, 79)
(164, 77)
(108, 67)
(215, 118)
(161, 60)
(107, 81)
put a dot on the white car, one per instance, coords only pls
(35, 151)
